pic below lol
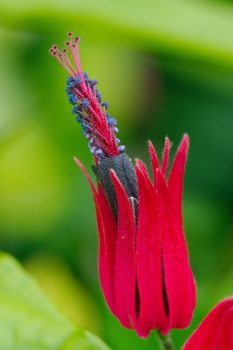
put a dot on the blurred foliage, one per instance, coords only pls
(166, 67)
(29, 322)
(64, 290)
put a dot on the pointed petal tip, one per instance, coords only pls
(167, 140)
(166, 153)
(150, 145)
(185, 139)
(79, 164)
(82, 168)
(115, 179)
(184, 145)
(138, 163)
(167, 144)
(113, 174)
(153, 158)
(76, 160)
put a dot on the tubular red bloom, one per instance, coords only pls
(143, 259)
(216, 330)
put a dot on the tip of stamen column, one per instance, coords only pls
(77, 161)
(97, 125)
(52, 52)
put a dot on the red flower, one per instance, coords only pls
(143, 260)
(216, 330)
(143, 263)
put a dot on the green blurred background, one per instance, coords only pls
(166, 67)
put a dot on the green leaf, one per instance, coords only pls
(84, 340)
(27, 319)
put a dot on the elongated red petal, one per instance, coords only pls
(125, 266)
(216, 330)
(175, 189)
(166, 156)
(149, 270)
(81, 167)
(107, 240)
(154, 159)
(143, 168)
(180, 287)
(107, 249)
(175, 181)
(225, 339)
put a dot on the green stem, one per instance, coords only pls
(166, 342)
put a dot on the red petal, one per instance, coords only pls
(125, 280)
(215, 331)
(225, 339)
(175, 181)
(107, 240)
(143, 168)
(107, 249)
(79, 164)
(175, 189)
(154, 159)
(149, 269)
(179, 280)
(166, 156)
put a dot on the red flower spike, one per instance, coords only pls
(143, 259)
(216, 330)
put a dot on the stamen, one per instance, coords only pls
(98, 127)
(77, 55)
(105, 105)
(122, 149)
(68, 61)
(58, 55)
